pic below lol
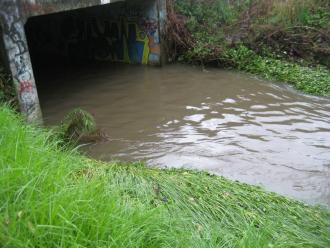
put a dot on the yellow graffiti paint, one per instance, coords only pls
(142, 37)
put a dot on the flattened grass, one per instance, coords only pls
(50, 197)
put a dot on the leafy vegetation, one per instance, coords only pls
(52, 197)
(286, 40)
(7, 92)
(314, 80)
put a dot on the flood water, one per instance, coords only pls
(224, 122)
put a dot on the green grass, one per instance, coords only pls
(54, 197)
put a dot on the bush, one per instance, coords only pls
(295, 34)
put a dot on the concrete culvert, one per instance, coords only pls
(58, 35)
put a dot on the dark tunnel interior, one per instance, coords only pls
(65, 42)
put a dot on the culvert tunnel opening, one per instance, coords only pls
(68, 44)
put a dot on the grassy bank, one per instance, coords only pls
(52, 197)
(284, 40)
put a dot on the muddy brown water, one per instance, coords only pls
(224, 122)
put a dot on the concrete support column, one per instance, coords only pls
(18, 59)
(162, 17)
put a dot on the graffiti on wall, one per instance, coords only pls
(18, 58)
(127, 37)
(150, 28)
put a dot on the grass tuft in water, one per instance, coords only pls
(51, 197)
(75, 125)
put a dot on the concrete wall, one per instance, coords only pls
(18, 57)
(132, 32)
(41, 7)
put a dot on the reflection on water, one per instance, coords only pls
(223, 122)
